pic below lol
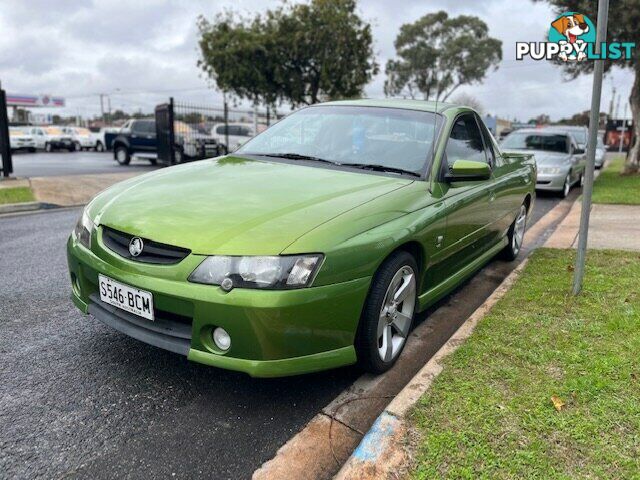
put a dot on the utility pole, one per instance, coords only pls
(102, 108)
(594, 120)
(613, 98)
(624, 127)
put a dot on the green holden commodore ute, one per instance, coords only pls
(311, 247)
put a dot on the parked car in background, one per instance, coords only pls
(561, 162)
(311, 247)
(20, 138)
(239, 134)
(52, 138)
(601, 151)
(83, 138)
(136, 137)
(192, 144)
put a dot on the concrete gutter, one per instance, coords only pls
(24, 207)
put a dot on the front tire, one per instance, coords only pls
(122, 155)
(388, 313)
(99, 147)
(516, 235)
(48, 147)
(566, 188)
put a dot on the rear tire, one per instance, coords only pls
(122, 155)
(516, 235)
(99, 147)
(48, 147)
(388, 313)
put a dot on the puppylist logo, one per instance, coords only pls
(572, 38)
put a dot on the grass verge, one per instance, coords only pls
(611, 187)
(490, 414)
(16, 195)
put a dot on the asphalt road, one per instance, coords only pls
(43, 164)
(80, 400)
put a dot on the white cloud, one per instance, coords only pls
(142, 51)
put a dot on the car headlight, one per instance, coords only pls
(273, 272)
(84, 229)
(549, 170)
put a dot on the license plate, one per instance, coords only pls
(125, 297)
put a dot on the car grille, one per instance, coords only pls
(153, 252)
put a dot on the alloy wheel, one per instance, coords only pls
(518, 230)
(122, 155)
(567, 185)
(396, 314)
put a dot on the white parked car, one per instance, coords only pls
(20, 138)
(239, 133)
(83, 138)
(52, 138)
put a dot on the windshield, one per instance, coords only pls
(580, 136)
(387, 137)
(536, 141)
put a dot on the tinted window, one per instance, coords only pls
(488, 142)
(537, 141)
(465, 141)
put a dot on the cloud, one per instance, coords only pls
(143, 51)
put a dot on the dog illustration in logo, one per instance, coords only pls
(571, 27)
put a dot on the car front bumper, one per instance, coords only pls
(553, 182)
(273, 333)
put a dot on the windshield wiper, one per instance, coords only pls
(294, 156)
(381, 168)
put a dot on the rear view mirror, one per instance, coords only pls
(468, 171)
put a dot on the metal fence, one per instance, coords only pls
(186, 131)
(5, 146)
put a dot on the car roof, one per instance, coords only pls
(542, 131)
(407, 104)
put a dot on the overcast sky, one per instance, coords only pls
(142, 51)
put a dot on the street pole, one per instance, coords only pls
(594, 118)
(624, 128)
(102, 108)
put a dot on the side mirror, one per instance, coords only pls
(468, 171)
(578, 151)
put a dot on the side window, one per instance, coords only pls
(220, 129)
(465, 141)
(136, 127)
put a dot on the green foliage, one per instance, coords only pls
(300, 53)
(438, 54)
(16, 195)
(612, 187)
(490, 414)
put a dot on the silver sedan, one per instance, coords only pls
(560, 161)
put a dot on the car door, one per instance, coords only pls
(467, 204)
(141, 139)
(578, 160)
(506, 193)
(38, 136)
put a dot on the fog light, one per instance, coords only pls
(221, 338)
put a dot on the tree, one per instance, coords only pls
(438, 54)
(297, 53)
(624, 18)
(469, 101)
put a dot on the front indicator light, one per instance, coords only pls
(269, 272)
